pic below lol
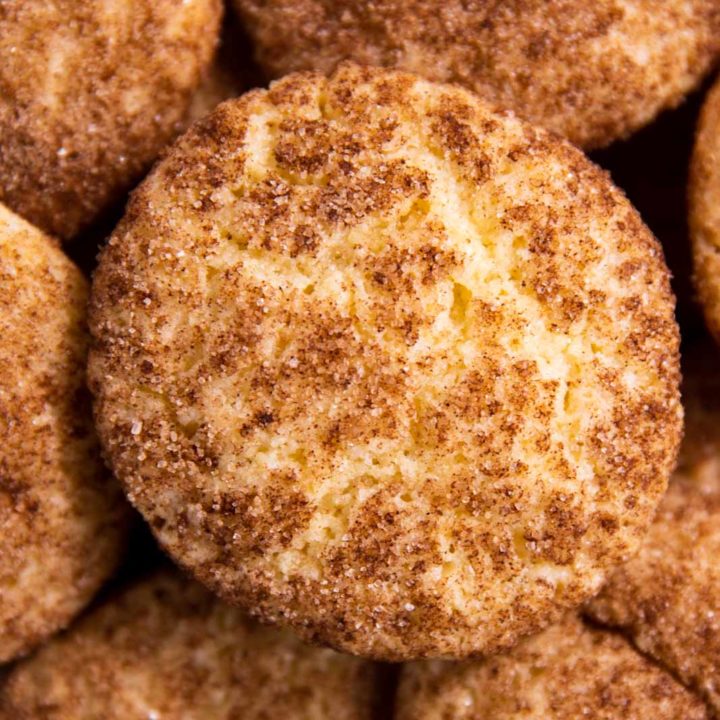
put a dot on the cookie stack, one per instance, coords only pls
(388, 366)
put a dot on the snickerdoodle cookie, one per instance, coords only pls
(568, 672)
(668, 597)
(89, 93)
(381, 364)
(61, 516)
(592, 71)
(704, 199)
(167, 648)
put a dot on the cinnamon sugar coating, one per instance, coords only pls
(704, 196)
(89, 93)
(668, 598)
(592, 71)
(383, 365)
(167, 648)
(568, 672)
(61, 516)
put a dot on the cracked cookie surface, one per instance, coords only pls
(593, 72)
(62, 517)
(386, 366)
(89, 94)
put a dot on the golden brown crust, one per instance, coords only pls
(61, 516)
(592, 71)
(668, 597)
(568, 672)
(705, 209)
(381, 364)
(166, 648)
(89, 93)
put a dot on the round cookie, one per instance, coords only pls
(668, 597)
(593, 72)
(381, 364)
(61, 515)
(166, 648)
(567, 672)
(89, 94)
(704, 197)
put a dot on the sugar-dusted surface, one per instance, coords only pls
(565, 673)
(89, 94)
(592, 71)
(668, 598)
(388, 367)
(61, 516)
(167, 648)
(705, 209)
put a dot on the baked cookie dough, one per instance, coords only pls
(704, 199)
(167, 648)
(383, 365)
(569, 671)
(591, 71)
(89, 94)
(61, 515)
(668, 598)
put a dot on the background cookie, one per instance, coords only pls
(386, 366)
(705, 209)
(89, 93)
(166, 648)
(567, 672)
(61, 516)
(593, 72)
(668, 597)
